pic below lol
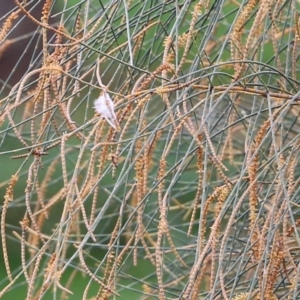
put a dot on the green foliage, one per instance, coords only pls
(183, 183)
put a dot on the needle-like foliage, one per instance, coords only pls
(150, 151)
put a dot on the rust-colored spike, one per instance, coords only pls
(7, 25)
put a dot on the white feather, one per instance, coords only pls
(105, 107)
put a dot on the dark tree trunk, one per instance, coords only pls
(22, 46)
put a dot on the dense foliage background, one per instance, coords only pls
(183, 183)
